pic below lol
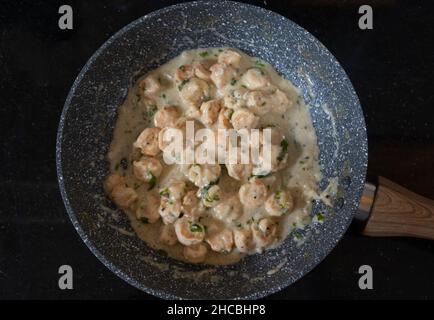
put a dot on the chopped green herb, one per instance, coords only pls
(220, 50)
(244, 86)
(231, 112)
(195, 227)
(152, 181)
(182, 84)
(182, 68)
(284, 150)
(233, 82)
(164, 96)
(203, 54)
(277, 195)
(260, 176)
(320, 217)
(259, 63)
(165, 192)
(117, 166)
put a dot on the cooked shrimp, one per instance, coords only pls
(243, 239)
(221, 241)
(147, 142)
(255, 79)
(264, 232)
(166, 117)
(228, 210)
(167, 235)
(211, 195)
(195, 253)
(222, 74)
(112, 181)
(169, 210)
(123, 196)
(191, 206)
(259, 102)
(183, 72)
(224, 118)
(239, 171)
(235, 99)
(147, 209)
(189, 232)
(151, 84)
(203, 175)
(175, 191)
(201, 70)
(280, 102)
(230, 57)
(279, 203)
(253, 193)
(244, 119)
(147, 169)
(210, 111)
(194, 90)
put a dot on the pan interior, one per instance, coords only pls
(90, 113)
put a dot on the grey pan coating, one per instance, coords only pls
(89, 115)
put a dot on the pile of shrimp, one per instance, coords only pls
(197, 211)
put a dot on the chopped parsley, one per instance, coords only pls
(320, 217)
(182, 84)
(259, 63)
(233, 82)
(165, 192)
(195, 227)
(182, 68)
(204, 54)
(277, 195)
(284, 150)
(152, 181)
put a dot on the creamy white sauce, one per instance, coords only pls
(300, 176)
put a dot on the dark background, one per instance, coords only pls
(390, 67)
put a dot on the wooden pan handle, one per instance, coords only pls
(399, 212)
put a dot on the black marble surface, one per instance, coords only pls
(390, 66)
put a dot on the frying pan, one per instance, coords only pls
(90, 112)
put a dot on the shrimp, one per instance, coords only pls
(167, 235)
(264, 232)
(183, 72)
(210, 111)
(224, 118)
(230, 57)
(151, 84)
(210, 195)
(239, 171)
(175, 191)
(191, 206)
(244, 119)
(221, 241)
(147, 142)
(243, 239)
(235, 99)
(113, 180)
(195, 253)
(147, 169)
(203, 175)
(169, 210)
(259, 102)
(253, 193)
(228, 210)
(201, 70)
(279, 203)
(166, 117)
(123, 196)
(255, 79)
(194, 90)
(222, 74)
(189, 232)
(147, 209)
